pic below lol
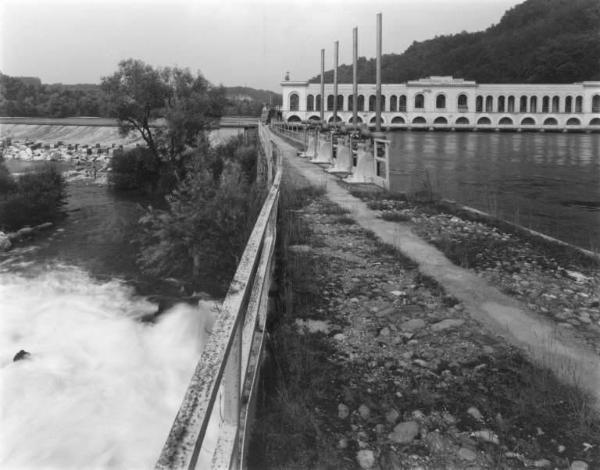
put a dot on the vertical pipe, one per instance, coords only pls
(355, 77)
(336, 46)
(378, 77)
(322, 110)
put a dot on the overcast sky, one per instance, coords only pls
(233, 42)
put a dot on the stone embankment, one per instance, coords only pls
(389, 368)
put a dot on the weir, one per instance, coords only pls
(223, 388)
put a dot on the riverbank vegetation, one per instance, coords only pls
(32, 198)
(208, 196)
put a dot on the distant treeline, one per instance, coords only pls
(538, 41)
(28, 96)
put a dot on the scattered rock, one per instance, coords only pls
(579, 465)
(487, 436)
(21, 355)
(405, 432)
(392, 416)
(447, 323)
(475, 413)
(343, 443)
(384, 332)
(542, 463)
(313, 326)
(365, 458)
(364, 411)
(343, 411)
(467, 454)
(413, 325)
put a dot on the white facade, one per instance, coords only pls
(451, 103)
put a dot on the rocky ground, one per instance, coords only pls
(550, 280)
(87, 162)
(377, 368)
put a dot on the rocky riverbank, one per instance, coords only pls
(378, 368)
(550, 279)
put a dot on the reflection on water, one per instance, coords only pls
(546, 181)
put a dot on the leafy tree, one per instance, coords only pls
(168, 107)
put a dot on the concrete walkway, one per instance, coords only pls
(544, 342)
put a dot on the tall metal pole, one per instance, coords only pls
(355, 77)
(336, 46)
(322, 110)
(378, 78)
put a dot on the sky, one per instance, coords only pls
(231, 42)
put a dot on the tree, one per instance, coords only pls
(168, 107)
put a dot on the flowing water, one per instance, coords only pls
(102, 385)
(549, 182)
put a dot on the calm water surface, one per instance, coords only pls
(546, 181)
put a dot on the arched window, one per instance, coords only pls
(440, 120)
(545, 104)
(393, 103)
(550, 122)
(419, 101)
(440, 101)
(419, 120)
(350, 103)
(501, 101)
(360, 103)
(596, 104)
(533, 104)
(484, 121)
(579, 104)
(358, 120)
(294, 118)
(505, 121)
(595, 122)
(510, 107)
(372, 100)
(294, 102)
(479, 104)
(330, 99)
(310, 103)
(489, 104)
(528, 122)
(462, 103)
(555, 104)
(318, 103)
(573, 122)
(398, 120)
(340, 102)
(314, 117)
(373, 119)
(462, 120)
(568, 104)
(523, 104)
(402, 107)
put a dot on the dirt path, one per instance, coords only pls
(501, 314)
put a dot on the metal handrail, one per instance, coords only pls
(227, 370)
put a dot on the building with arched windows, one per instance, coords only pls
(453, 103)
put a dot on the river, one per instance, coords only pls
(549, 182)
(102, 384)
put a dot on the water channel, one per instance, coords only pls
(549, 182)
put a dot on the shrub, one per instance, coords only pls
(135, 169)
(205, 228)
(33, 198)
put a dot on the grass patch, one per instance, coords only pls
(288, 430)
(331, 208)
(395, 216)
(345, 220)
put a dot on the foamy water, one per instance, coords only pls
(101, 389)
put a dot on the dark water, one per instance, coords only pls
(545, 181)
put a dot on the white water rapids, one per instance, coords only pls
(100, 389)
